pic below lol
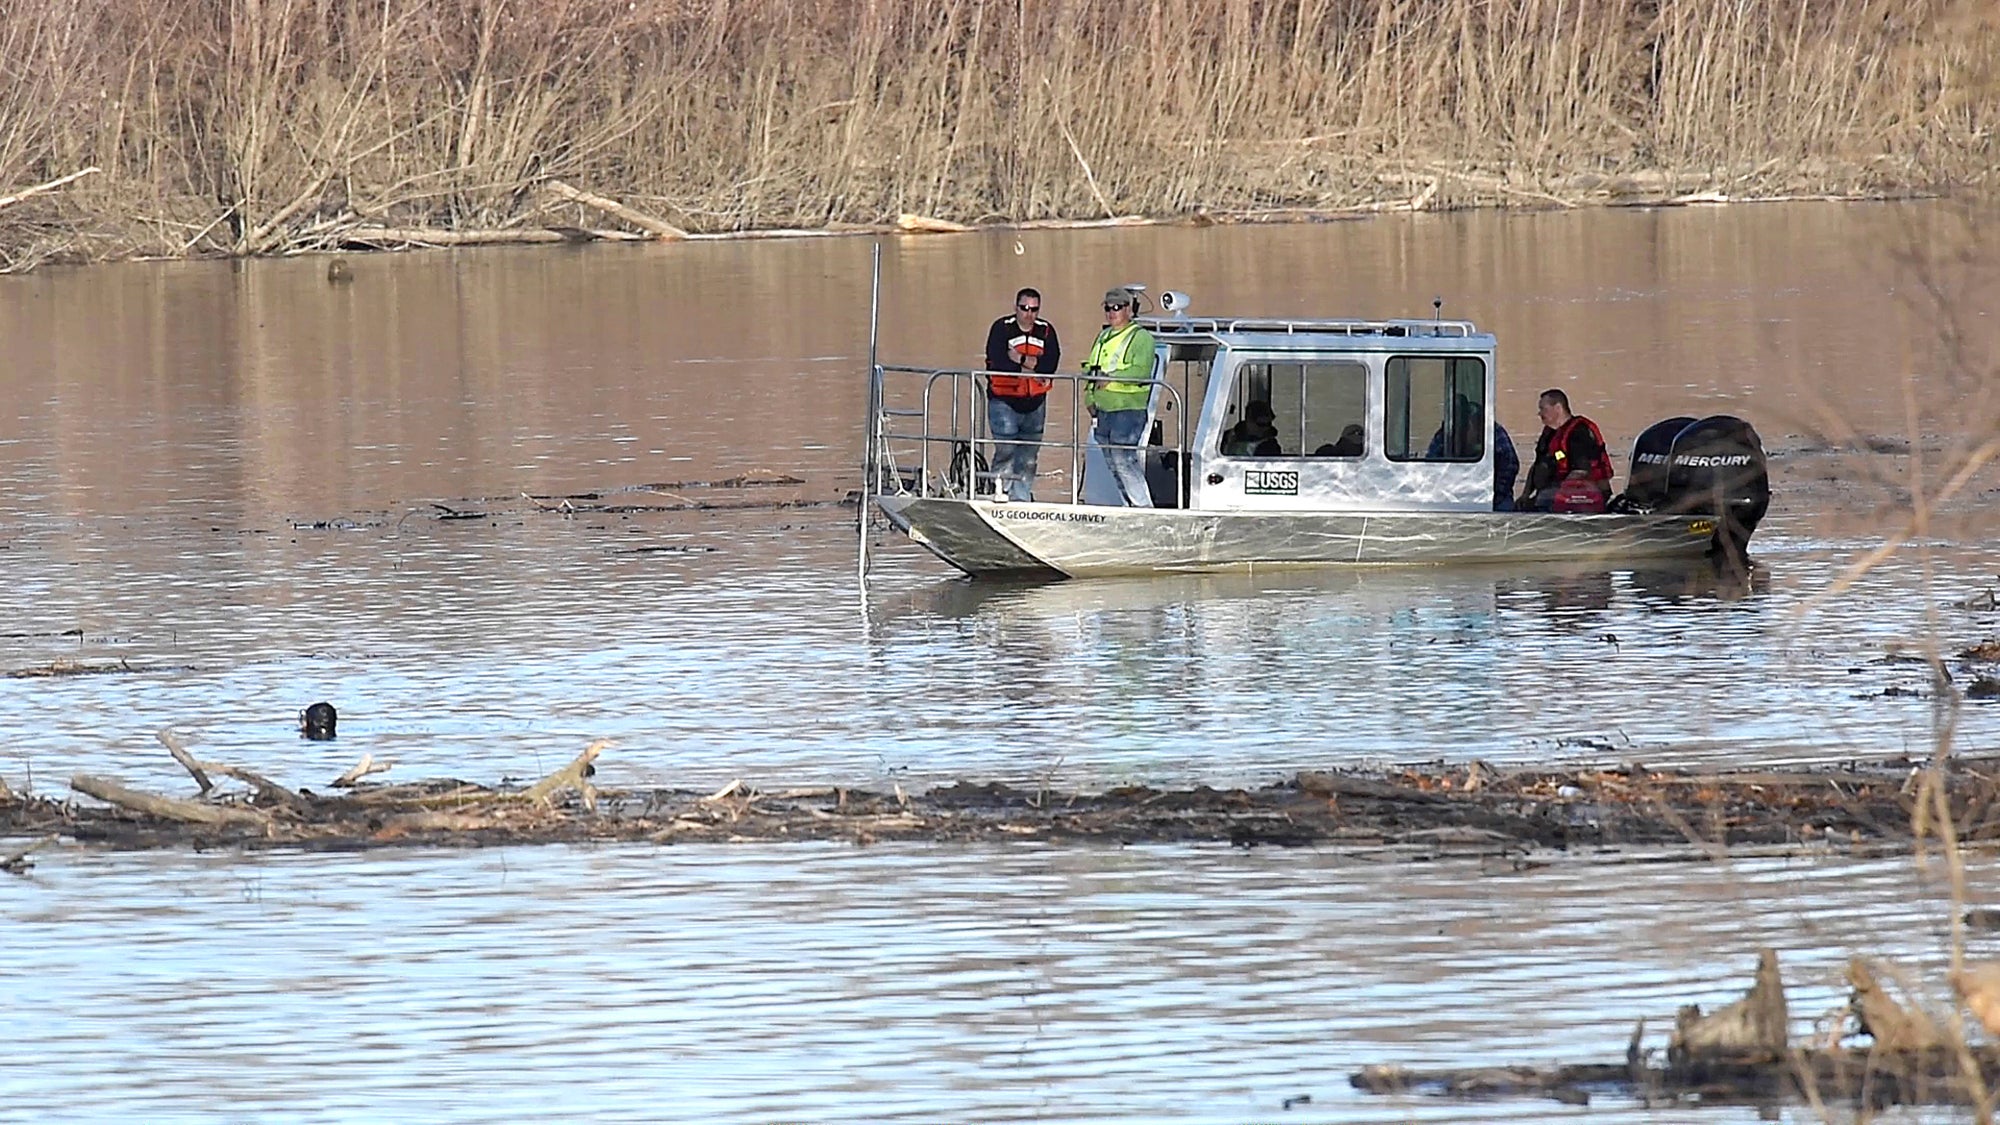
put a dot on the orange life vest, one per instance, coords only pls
(1024, 385)
(1597, 470)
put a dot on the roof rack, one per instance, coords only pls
(1211, 325)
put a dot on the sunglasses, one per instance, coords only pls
(1115, 308)
(1029, 308)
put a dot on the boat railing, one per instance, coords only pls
(1165, 327)
(928, 433)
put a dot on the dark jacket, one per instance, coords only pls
(1506, 467)
(1022, 394)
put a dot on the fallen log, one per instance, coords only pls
(640, 219)
(925, 224)
(166, 808)
(38, 189)
(440, 236)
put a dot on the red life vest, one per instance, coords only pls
(1597, 470)
(1023, 386)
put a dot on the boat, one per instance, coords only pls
(1382, 454)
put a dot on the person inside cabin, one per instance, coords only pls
(1019, 347)
(1256, 435)
(1349, 444)
(1572, 470)
(1506, 462)
(1506, 466)
(1120, 372)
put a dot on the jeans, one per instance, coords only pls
(1118, 433)
(1014, 462)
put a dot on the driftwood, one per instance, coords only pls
(1865, 1076)
(440, 236)
(269, 790)
(924, 224)
(1757, 1025)
(643, 221)
(573, 776)
(186, 760)
(1893, 1024)
(166, 808)
(1742, 1053)
(1525, 817)
(17, 862)
(359, 770)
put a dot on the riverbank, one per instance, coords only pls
(175, 128)
(1524, 818)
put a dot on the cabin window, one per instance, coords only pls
(1436, 409)
(1288, 409)
(1186, 372)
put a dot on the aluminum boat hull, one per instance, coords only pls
(987, 537)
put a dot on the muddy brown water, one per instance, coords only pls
(222, 484)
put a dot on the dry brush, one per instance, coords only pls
(259, 126)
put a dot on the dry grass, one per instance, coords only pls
(252, 126)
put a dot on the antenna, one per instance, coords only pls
(1437, 309)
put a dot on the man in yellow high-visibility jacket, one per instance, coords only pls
(1121, 366)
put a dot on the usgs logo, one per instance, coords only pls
(1270, 482)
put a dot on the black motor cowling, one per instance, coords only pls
(1711, 466)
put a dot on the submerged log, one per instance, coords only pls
(1934, 1075)
(17, 861)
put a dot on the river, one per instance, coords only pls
(231, 489)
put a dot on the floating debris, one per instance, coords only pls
(1742, 1054)
(65, 667)
(1528, 818)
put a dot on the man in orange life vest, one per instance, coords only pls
(1572, 471)
(1018, 348)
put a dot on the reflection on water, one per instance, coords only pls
(825, 984)
(485, 650)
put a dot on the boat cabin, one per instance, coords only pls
(1321, 415)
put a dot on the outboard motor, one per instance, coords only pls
(1713, 466)
(1646, 489)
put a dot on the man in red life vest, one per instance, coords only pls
(1572, 471)
(1019, 347)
